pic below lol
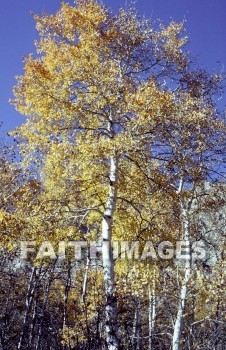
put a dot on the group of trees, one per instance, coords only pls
(122, 136)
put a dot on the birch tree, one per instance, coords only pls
(109, 129)
(78, 91)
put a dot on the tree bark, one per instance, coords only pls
(137, 334)
(46, 291)
(29, 301)
(184, 289)
(151, 315)
(111, 317)
(85, 281)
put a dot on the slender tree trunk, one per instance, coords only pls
(46, 287)
(137, 337)
(184, 288)
(66, 294)
(151, 315)
(84, 287)
(29, 302)
(191, 321)
(34, 316)
(111, 317)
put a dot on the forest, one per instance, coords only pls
(113, 191)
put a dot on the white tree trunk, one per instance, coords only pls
(151, 315)
(84, 287)
(66, 294)
(184, 288)
(29, 301)
(108, 262)
(137, 334)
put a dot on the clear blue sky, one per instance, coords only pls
(206, 26)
